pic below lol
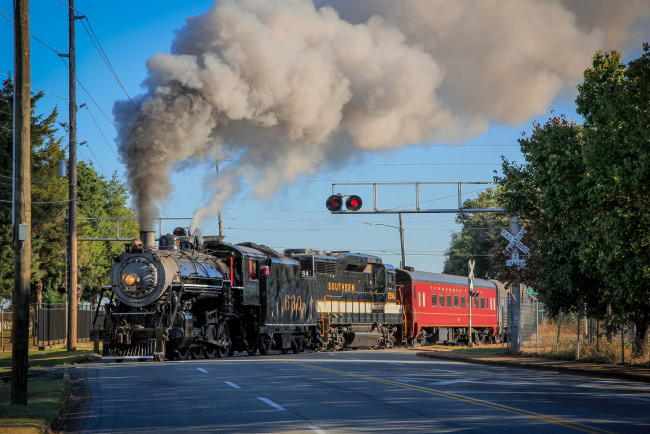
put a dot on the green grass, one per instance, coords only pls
(45, 398)
(46, 359)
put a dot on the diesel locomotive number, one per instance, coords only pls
(292, 302)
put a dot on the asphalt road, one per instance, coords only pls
(354, 391)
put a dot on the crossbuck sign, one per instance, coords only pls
(515, 245)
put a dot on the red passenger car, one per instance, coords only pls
(436, 308)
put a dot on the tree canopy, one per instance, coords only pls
(97, 197)
(479, 238)
(584, 190)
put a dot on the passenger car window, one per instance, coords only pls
(449, 301)
(455, 301)
(482, 303)
(442, 300)
(434, 300)
(462, 301)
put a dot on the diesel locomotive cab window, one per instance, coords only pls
(449, 301)
(434, 300)
(462, 301)
(455, 301)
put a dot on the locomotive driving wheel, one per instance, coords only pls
(196, 352)
(223, 338)
(183, 353)
(265, 343)
(211, 351)
(250, 343)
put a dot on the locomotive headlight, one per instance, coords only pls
(129, 279)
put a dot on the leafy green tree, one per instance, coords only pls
(584, 189)
(100, 198)
(46, 151)
(614, 100)
(97, 197)
(547, 193)
(479, 238)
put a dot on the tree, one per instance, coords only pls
(614, 102)
(479, 238)
(97, 197)
(46, 150)
(584, 188)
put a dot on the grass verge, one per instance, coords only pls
(45, 398)
(46, 359)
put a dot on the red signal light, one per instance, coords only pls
(353, 203)
(334, 202)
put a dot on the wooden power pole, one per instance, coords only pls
(22, 212)
(72, 178)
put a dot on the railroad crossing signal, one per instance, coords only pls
(515, 245)
(515, 240)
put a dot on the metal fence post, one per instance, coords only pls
(559, 325)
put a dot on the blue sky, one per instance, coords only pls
(295, 216)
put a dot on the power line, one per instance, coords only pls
(40, 90)
(100, 130)
(32, 35)
(102, 53)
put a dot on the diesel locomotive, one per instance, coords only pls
(201, 297)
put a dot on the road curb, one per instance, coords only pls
(610, 372)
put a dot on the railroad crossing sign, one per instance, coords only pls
(515, 240)
(515, 245)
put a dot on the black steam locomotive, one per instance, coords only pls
(201, 297)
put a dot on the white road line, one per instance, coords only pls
(202, 370)
(271, 403)
(233, 385)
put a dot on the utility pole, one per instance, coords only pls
(22, 213)
(401, 240)
(72, 178)
(515, 308)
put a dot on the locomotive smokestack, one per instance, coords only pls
(148, 239)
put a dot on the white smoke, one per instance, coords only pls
(288, 86)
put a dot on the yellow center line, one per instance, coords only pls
(537, 416)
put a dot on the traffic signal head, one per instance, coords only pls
(353, 203)
(334, 202)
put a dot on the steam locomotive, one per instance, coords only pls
(198, 297)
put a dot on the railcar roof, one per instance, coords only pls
(448, 279)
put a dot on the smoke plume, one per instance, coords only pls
(284, 87)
